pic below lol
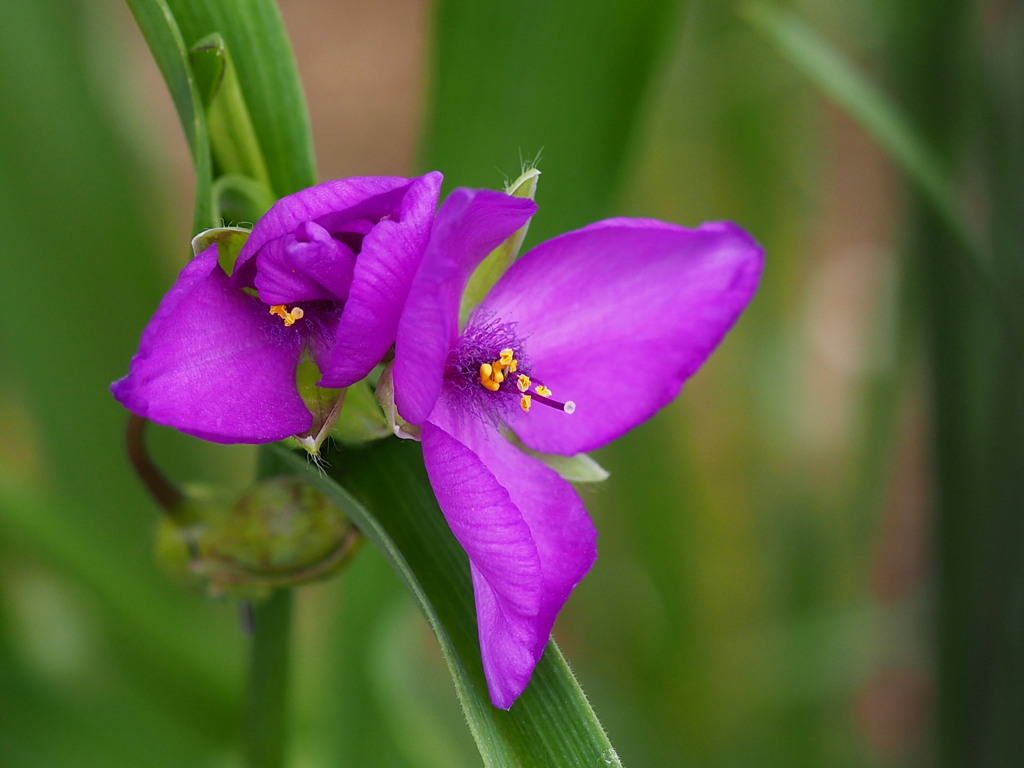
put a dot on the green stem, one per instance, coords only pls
(266, 707)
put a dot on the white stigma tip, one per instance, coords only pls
(569, 407)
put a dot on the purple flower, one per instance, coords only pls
(584, 337)
(322, 276)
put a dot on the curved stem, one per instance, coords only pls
(267, 700)
(163, 491)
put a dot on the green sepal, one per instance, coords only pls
(229, 242)
(323, 402)
(385, 394)
(579, 468)
(236, 149)
(361, 419)
(500, 259)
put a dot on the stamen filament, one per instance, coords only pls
(568, 406)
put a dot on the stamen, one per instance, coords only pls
(289, 318)
(493, 375)
(499, 374)
(487, 377)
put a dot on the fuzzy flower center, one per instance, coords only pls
(310, 325)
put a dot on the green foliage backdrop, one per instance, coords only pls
(813, 558)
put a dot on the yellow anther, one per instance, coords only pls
(542, 391)
(523, 382)
(493, 374)
(487, 377)
(525, 402)
(288, 317)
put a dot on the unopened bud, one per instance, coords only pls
(281, 533)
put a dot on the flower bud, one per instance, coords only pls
(282, 532)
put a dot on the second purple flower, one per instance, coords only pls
(323, 276)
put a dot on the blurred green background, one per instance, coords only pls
(812, 558)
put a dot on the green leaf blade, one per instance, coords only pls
(384, 490)
(863, 101)
(560, 85)
(164, 38)
(232, 136)
(268, 80)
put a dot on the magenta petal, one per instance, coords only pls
(306, 265)
(528, 538)
(385, 267)
(212, 363)
(330, 205)
(469, 225)
(619, 314)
